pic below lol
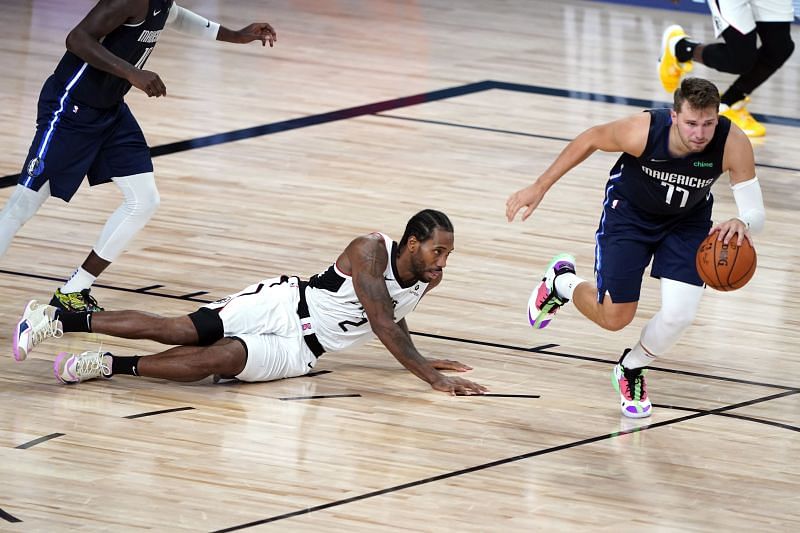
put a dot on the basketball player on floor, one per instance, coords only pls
(740, 23)
(657, 207)
(84, 128)
(278, 327)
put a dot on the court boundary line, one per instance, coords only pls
(544, 349)
(401, 102)
(504, 461)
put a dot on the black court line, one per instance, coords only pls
(317, 373)
(525, 134)
(470, 127)
(486, 343)
(493, 395)
(148, 288)
(8, 517)
(545, 350)
(160, 412)
(320, 397)
(504, 461)
(387, 105)
(40, 440)
(192, 295)
(542, 349)
(110, 287)
(732, 415)
(302, 122)
(621, 100)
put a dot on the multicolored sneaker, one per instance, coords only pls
(632, 389)
(75, 301)
(739, 115)
(38, 323)
(544, 300)
(670, 70)
(74, 368)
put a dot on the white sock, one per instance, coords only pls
(566, 283)
(79, 280)
(638, 358)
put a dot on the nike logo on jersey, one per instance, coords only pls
(659, 160)
(208, 24)
(155, 13)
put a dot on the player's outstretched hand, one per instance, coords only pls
(257, 31)
(458, 386)
(529, 198)
(449, 364)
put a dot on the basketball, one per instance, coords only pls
(725, 267)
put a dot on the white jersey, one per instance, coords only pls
(743, 15)
(338, 318)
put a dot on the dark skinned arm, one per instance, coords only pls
(257, 31)
(105, 17)
(368, 261)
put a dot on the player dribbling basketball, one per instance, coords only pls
(657, 208)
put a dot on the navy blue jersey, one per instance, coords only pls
(659, 184)
(132, 42)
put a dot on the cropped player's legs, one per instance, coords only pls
(606, 314)
(21, 206)
(141, 200)
(227, 356)
(123, 158)
(679, 304)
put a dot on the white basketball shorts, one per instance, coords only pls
(264, 316)
(743, 14)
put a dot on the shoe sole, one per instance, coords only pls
(20, 355)
(544, 316)
(56, 369)
(665, 37)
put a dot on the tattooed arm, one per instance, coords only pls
(368, 260)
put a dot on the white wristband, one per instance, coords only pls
(191, 23)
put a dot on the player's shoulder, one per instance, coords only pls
(368, 247)
(369, 240)
(737, 139)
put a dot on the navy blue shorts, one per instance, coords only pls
(627, 240)
(73, 140)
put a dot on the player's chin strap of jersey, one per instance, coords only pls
(191, 23)
(750, 204)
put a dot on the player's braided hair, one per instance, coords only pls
(698, 92)
(424, 223)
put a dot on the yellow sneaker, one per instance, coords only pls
(739, 115)
(670, 69)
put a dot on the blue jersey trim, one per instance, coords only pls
(45, 144)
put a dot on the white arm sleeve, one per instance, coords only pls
(191, 23)
(750, 204)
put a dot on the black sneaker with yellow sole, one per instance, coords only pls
(75, 301)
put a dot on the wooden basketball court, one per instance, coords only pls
(270, 161)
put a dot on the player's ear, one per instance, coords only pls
(412, 244)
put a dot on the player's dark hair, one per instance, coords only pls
(698, 93)
(423, 224)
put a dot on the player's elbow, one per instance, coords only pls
(69, 43)
(74, 41)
